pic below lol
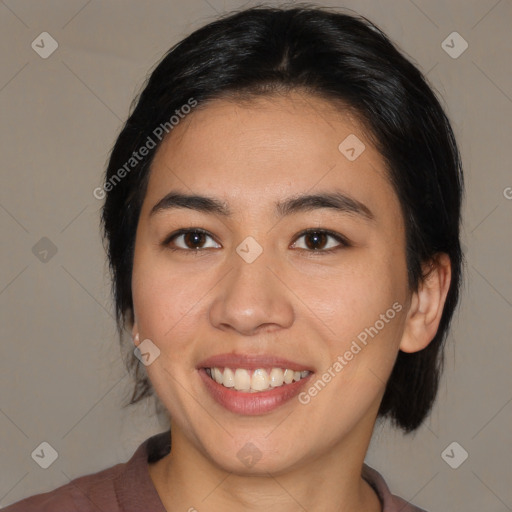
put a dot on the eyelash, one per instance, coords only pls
(339, 238)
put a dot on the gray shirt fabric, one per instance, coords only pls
(127, 487)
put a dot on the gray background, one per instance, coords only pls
(61, 376)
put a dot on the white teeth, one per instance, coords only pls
(242, 380)
(260, 379)
(288, 376)
(276, 377)
(229, 378)
(217, 375)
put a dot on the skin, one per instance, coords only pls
(289, 302)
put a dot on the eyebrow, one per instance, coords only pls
(302, 203)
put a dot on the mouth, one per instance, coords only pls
(252, 385)
(255, 381)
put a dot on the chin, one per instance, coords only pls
(262, 455)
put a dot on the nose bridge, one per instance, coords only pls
(250, 295)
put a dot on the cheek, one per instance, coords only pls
(361, 307)
(354, 295)
(165, 299)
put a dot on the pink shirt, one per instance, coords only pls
(127, 487)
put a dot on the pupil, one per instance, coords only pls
(197, 238)
(317, 237)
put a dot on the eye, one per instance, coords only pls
(191, 239)
(316, 240)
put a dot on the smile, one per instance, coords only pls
(252, 384)
(254, 381)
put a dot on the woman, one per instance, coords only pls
(282, 220)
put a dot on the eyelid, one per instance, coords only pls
(183, 231)
(343, 241)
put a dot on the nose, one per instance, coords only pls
(251, 298)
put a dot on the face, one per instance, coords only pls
(244, 290)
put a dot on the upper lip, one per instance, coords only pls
(251, 362)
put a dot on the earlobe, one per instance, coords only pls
(135, 334)
(427, 305)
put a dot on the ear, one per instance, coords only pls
(427, 305)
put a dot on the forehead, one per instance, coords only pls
(268, 147)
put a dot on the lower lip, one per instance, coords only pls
(252, 404)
